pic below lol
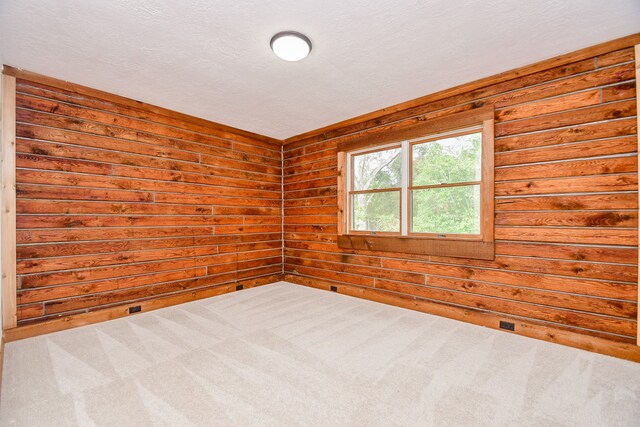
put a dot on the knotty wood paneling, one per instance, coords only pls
(566, 206)
(120, 203)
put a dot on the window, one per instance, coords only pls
(445, 177)
(426, 188)
(375, 191)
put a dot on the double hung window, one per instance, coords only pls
(420, 187)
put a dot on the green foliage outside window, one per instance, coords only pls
(443, 210)
(377, 211)
(447, 209)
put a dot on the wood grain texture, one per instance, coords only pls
(120, 202)
(566, 206)
(416, 129)
(114, 312)
(141, 108)
(617, 50)
(637, 75)
(453, 248)
(8, 200)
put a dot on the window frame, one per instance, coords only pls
(411, 187)
(350, 192)
(480, 246)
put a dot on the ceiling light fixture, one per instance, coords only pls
(291, 45)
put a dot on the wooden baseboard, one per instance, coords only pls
(531, 330)
(83, 319)
(527, 329)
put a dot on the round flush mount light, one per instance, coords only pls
(291, 45)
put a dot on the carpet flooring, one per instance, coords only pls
(287, 355)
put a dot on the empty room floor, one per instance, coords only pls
(284, 354)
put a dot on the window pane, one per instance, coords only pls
(447, 160)
(376, 211)
(380, 169)
(447, 210)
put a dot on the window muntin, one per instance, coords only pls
(430, 186)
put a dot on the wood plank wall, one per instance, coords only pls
(119, 203)
(566, 208)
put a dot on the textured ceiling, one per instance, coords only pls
(212, 59)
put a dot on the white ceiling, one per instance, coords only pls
(211, 58)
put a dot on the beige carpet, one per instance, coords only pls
(286, 355)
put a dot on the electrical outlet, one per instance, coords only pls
(239, 287)
(135, 309)
(507, 325)
(334, 289)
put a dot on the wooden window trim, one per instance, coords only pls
(637, 65)
(472, 249)
(461, 246)
(8, 200)
(446, 123)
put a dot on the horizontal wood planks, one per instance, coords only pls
(153, 303)
(566, 206)
(120, 203)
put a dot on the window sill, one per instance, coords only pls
(473, 249)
